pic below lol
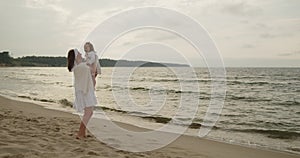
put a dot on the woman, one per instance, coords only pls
(85, 98)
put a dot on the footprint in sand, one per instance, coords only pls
(78, 150)
(92, 153)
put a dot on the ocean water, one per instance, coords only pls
(261, 108)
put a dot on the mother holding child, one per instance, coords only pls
(84, 83)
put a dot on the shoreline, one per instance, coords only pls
(150, 125)
(63, 125)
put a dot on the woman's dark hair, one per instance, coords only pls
(71, 59)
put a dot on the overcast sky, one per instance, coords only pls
(246, 32)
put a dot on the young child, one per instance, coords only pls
(92, 60)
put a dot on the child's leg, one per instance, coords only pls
(94, 80)
(93, 77)
(94, 73)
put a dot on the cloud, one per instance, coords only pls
(157, 35)
(87, 21)
(267, 35)
(293, 53)
(261, 25)
(148, 35)
(248, 46)
(241, 8)
(52, 5)
(285, 54)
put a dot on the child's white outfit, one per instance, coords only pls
(92, 58)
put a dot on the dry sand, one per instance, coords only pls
(30, 130)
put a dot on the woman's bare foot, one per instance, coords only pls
(81, 134)
(80, 137)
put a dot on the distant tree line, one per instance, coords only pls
(6, 59)
(44, 61)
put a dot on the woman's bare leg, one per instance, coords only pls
(94, 81)
(88, 112)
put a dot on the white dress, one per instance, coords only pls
(84, 89)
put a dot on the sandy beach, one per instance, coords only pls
(30, 130)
